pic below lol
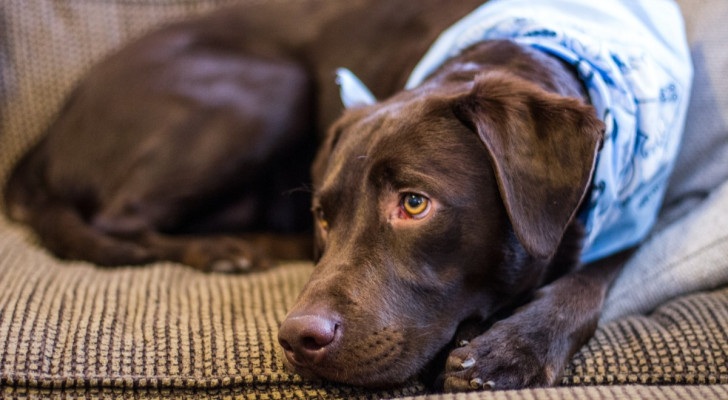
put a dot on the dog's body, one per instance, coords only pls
(113, 174)
(447, 204)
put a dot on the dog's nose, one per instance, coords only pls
(306, 338)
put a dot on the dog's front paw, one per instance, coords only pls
(504, 357)
(224, 254)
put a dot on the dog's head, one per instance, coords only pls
(431, 208)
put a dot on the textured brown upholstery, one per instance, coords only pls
(167, 331)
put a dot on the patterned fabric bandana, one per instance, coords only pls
(633, 57)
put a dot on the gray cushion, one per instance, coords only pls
(688, 250)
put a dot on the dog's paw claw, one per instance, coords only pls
(501, 358)
(468, 363)
(243, 264)
(460, 359)
(455, 384)
(231, 266)
(224, 255)
(222, 266)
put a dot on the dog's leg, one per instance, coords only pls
(214, 253)
(156, 149)
(227, 253)
(531, 347)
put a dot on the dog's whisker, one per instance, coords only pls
(303, 188)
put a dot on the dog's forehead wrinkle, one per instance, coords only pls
(384, 111)
(339, 171)
(449, 165)
(354, 145)
(352, 161)
(389, 174)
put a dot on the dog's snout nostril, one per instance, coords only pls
(306, 338)
(320, 339)
(311, 344)
(286, 346)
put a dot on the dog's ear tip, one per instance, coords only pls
(540, 239)
(540, 250)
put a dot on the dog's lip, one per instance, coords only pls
(291, 357)
(302, 369)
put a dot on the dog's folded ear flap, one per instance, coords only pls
(543, 149)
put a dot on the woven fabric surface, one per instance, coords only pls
(75, 327)
(599, 393)
(71, 329)
(168, 329)
(627, 392)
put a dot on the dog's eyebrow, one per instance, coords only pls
(327, 197)
(401, 176)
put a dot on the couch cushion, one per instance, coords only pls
(688, 249)
(703, 161)
(164, 330)
(72, 326)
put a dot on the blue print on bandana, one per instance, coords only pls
(633, 58)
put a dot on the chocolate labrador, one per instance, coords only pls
(448, 217)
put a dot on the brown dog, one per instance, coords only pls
(439, 210)
(413, 230)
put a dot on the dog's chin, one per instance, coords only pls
(299, 369)
(366, 373)
(383, 378)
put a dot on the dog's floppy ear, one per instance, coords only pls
(543, 149)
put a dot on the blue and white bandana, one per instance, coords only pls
(633, 58)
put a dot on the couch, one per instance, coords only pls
(72, 329)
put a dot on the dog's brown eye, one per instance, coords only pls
(321, 218)
(415, 205)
